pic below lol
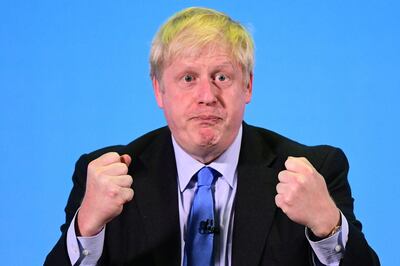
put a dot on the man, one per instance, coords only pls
(273, 201)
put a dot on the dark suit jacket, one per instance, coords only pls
(147, 231)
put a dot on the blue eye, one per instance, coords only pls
(221, 77)
(188, 78)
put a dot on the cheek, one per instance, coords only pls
(175, 108)
(236, 102)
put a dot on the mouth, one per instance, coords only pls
(206, 120)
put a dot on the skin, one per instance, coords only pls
(108, 188)
(304, 197)
(203, 97)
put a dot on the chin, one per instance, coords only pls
(207, 137)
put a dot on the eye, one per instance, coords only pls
(221, 77)
(188, 78)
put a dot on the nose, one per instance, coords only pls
(207, 93)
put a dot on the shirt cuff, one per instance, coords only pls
(330, 251)
(84, 250)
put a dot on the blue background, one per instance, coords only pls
(74, 78)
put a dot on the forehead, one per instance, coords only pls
(206, 56)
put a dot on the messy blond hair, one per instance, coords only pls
(194, 28)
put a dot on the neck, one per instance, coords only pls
(208, 156)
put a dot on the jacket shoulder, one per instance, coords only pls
(136, 147)
(282, 147)
(278, 142)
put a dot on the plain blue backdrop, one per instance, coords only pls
(74, 78)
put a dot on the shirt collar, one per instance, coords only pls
(225, 164)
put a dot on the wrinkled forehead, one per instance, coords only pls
(192, 53)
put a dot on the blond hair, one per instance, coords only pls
(194, 28)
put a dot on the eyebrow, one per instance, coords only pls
(188, 67)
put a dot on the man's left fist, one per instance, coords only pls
(303, 196)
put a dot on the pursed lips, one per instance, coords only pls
(213, 119)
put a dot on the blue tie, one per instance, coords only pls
(201, 228)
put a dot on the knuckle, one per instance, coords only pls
(112, 155)
(91, 164)
(301, 180)
(125, 181)
(279, 197)
(123, 167)
(280, 188)
(113, 192)
(277, 200)
(120, 201)
(96, 172)
(305, 160)
(284, 175)
(294, 188)
(108, 158)
(130, 180)
(288, 199)
(281, 175)
(91, 168)
(309, 170)
(130, 195)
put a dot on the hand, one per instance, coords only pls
(303, 196)
(108, 188)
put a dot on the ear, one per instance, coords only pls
(249, 88)
(157, 92)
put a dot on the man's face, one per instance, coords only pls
(203, 98)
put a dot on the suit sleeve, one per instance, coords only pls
(335, 169)
(58, 256)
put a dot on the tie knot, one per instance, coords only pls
(205, 176)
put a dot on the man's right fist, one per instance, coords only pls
(108, 188)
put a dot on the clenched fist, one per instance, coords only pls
(303, 196)
(108, 188)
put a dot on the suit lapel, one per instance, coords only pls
(255, 199)
(155, 185)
